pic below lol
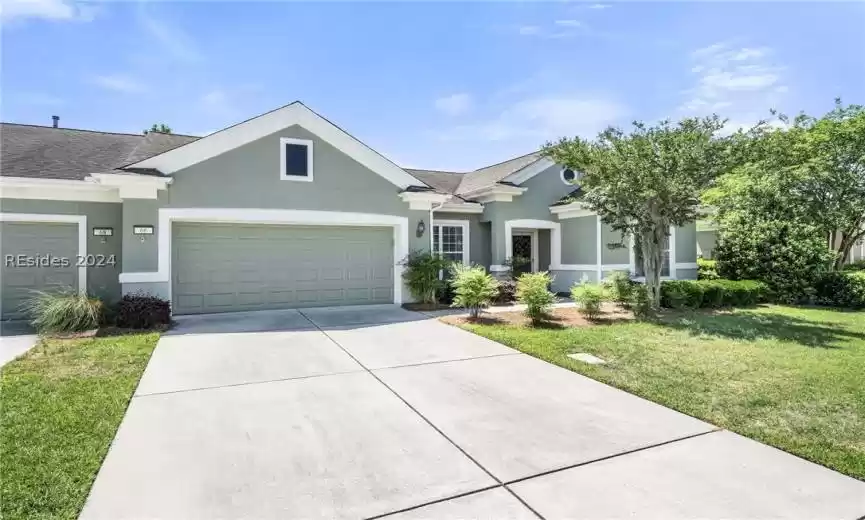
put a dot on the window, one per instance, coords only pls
(451, 240)
(638, 258)
(569, 176)
(295, 159)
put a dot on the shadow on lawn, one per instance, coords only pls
(752, 326)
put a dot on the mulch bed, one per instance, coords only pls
(560, 318)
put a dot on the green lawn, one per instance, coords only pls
(790, 377)
(61, 405)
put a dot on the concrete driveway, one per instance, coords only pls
(376, 411)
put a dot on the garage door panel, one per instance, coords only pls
(275, 266)
(32, 239)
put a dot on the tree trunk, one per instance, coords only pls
(848, 238)
(653, 258)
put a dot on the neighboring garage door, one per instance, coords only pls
(238, 267)
(26, 241)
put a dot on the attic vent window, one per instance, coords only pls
(569, 176)
(295, 159)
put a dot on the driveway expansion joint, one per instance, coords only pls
(423, 417)
(245, 383)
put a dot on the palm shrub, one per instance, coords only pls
(474, 289)
(64, 310)
(533, 292)
(422, 275)
(620, 288)
(589, 297)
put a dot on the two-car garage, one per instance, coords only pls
(222, 267)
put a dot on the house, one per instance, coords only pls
(282, 210)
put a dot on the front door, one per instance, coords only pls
(521, 260)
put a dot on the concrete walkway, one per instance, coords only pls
(379, 412)
(12, 347)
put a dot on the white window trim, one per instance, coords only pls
(464, 224)
(81, 220)
(565, 181)
(309, 156)
(167, 216)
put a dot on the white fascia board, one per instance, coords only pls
(468, 207)
(423, 200)
(495, 193)
(522, 175)
(56, 189)
(133, 186)
(253, 129)
(572, 210)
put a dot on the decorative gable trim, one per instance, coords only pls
(572, 210)
(495, 193)
(423, 200)
(253, 129)
(522, 175)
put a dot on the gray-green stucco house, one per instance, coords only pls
(283, 210)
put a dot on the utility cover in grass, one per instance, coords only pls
(587, 358)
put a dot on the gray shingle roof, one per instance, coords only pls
(492, 174)
(65, 153)
(445, 182)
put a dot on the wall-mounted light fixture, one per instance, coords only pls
(421, 227)
(142, 231)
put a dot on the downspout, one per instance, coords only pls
(431, 210)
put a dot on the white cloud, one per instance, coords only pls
(172, 39)
(455, 104)
(569, 23)
(529, 30)
(119, 83)
(56, 10)
(541, 118)
(740, 82)
(599, 6)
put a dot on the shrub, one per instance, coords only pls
(620, 288)
(516, 266)
(142, 311)
(692, 294)
(507, 292)
(422, 275)
(533, 291)
(64, 310)
(641, 302)
(858, 265)
(707, 269)
(589, 297)
(841, 289)
(678, 294)
(787, 256)
(474, 288)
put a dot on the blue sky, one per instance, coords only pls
(432, 85)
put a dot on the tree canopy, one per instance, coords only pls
(643, 182)
(808, 171)
(160, 128)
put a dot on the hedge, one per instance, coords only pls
(841, 289)
(694, 294)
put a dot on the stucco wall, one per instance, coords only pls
(686, 243)
(544, 189)
(101, 281)
(707, 240)
(579, 240)
(610, 238)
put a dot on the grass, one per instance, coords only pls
(61, 405)
(791, 377)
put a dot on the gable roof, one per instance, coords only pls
(72, 154)
(478, 179)
(295, 113)
(445, 182)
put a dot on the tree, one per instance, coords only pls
(809, 172)
(160, 128)
(643, 182)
